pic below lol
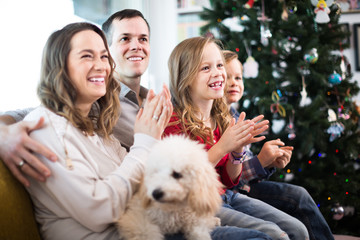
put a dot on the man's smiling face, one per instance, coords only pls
(130, 48)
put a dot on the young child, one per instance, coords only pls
(197, 81)
(273, 153)
(292, 199)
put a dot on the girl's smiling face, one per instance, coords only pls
(210, 80)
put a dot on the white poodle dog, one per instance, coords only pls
(180, 192)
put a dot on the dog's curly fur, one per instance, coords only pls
(179, 193)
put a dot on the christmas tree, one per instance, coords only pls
(296, 75)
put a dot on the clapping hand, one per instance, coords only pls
(254, 126)
(237, 135)
(275, 154)
(282, 161)
(154, 117)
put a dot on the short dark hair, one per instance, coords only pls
(123, 14)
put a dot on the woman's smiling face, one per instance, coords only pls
(88, 67)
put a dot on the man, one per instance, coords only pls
(128, 35)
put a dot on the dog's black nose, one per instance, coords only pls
(157, 194)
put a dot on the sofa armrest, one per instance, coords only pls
(17, 219)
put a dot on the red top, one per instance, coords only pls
(221, 166)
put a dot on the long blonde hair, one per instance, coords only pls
(184, 64)
(57, 93)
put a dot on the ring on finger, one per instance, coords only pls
(155, 117)
(21, 163)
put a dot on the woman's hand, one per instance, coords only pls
(154, 117)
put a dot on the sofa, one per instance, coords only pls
(17, 221)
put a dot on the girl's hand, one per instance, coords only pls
(259, 127)
(236, 136)
(154, 117)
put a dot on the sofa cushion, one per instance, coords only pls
(17, 219)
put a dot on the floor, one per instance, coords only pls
(343, 237)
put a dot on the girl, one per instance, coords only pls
(197, 81)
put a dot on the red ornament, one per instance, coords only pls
(249, 4)
(274, 51)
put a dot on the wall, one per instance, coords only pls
(25, 27)
(162, 17)
(352, 18)
(24, 38)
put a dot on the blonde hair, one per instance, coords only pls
(321, 2)
(57, 93)
(184, 64)
(230, 55)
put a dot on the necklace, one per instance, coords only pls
(214, 126)
(68, 160)
(212, 123)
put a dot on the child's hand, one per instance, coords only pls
(275, 154)
(282, 161)
(237, 135)
(270, 151)
(259, 127)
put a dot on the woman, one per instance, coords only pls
(94, 177)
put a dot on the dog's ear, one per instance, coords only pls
(204, 197)
(145, 200)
